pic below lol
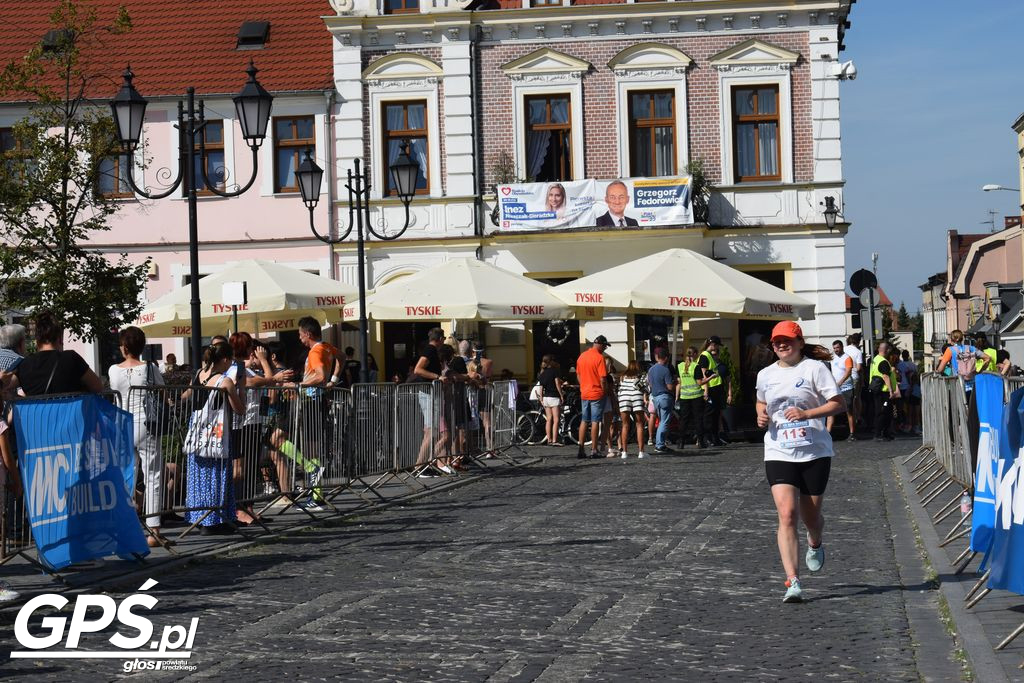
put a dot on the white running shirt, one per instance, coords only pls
(858, 359)
(808, 384)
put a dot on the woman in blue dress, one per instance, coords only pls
(210, 492)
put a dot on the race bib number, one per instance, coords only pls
(794, 434)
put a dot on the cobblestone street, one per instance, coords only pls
(664, 568)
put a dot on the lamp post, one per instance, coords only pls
(994, 312)
(252, 106)
(404, 176)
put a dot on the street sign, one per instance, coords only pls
(869, 297)
(861, 279)
(234, 294)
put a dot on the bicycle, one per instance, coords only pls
(531, 425)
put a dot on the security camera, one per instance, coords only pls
(847, 71)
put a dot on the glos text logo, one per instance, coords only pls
(94, 613)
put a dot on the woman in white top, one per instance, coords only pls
(794, 396)
(134, 372)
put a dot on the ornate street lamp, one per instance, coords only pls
(252, 105)
(404, 175)
(831, 212)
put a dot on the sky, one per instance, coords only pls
(925, 124)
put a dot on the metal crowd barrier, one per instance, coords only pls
(15, 531)
(293, 448)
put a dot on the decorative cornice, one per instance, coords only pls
(753, 68)
(546, 78)
(651, 74)
(402, 84)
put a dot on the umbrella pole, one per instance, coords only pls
(234, 317)
(675, 335)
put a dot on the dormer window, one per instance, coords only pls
(253, 35)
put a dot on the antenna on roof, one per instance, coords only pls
(991, 222)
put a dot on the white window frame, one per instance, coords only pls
(726, 83)
(561, 84)
(627, 85)
(421, 89)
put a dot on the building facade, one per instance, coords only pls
(496, 92)
(293, 53)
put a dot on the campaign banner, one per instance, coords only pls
(630, 202)
(77, 461)
(988, 393)
(1006, 557)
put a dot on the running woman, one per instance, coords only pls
(794, 396)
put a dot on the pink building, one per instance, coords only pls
(289, 45)
(974, 263)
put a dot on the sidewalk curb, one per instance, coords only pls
(984, 664)
(114, 581)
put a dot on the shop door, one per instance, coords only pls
(563, 342)
(402, 342)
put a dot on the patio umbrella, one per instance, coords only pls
(278, 296)
(683, 282)
(465, 289)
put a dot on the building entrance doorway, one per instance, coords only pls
(402, 343)
(561, 340)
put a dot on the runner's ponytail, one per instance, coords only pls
(817, 352)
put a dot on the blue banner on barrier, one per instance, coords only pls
(988, 392)
(1007, 553)
(78, 469)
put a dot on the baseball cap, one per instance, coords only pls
(601, 339)
(788, 329)
(715, 339)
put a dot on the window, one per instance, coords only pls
(12, 154)
(401, 6)
(652, 133)
(112, 178)
(548, 138)
(545, 3)
(292, 136)
(406, 122)
(213, 161)
(756, 133)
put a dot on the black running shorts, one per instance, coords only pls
(811, 477)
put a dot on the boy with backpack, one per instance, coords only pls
(964, 358)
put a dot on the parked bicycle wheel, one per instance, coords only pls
(530, 428)
(571, 429)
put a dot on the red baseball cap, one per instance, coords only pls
(788, 329)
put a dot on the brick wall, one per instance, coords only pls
(599, 105)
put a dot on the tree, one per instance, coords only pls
(917, 325)
(903, 321)
(50, 203)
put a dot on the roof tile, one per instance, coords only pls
(173, 45)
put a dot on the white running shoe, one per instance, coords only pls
(815, 557)
(7, 593)
(624, 455)
(641, 454)
(446, 469)
(793, 591)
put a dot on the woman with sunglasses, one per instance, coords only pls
(794, 396)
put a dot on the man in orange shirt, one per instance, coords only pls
(595, 388)
(314, 425)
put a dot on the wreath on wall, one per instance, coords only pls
(557, 332)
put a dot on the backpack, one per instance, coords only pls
(965, 357)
